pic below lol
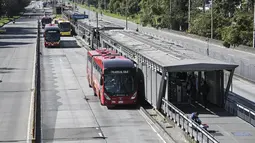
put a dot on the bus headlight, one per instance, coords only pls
(134, 96)
(106, 96)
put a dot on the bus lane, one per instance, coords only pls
(71, 112)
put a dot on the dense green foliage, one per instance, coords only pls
(232, 19)
(12, 7)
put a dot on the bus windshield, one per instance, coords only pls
(52, 36)
(119, 82)
(65, 26)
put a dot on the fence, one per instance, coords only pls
(240, 110)
(37, 92)
(191, 128)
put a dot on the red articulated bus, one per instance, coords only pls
(112, 77)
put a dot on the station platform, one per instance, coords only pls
(225, 127)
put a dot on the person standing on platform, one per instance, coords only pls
(205, 89)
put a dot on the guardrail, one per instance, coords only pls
(241, 111)
(191, 128)
(37, 92)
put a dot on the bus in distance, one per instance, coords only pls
(65, 27)
(46, 20)
(114, 80)
(51, 35)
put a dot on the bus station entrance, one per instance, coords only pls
(188, 87)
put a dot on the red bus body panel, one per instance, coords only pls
(95, 83)
(51, 44)
(91, 54)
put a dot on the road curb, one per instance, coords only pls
(31, 118)
(161, 131)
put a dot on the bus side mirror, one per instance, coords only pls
(101, 81)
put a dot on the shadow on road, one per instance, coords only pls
(20, 30)
(67, 44)
(16, 37)
(5, 44)
(6, 70)
(123, 107)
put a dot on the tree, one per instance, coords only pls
(232, 19)
(226, 7)
(12, 7)
(240, 31)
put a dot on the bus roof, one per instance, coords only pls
(51, 27)
(115, 61)
(46, 17)
(99, 52)
(58, 19)
(63, 21)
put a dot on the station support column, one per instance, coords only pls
(162, 90)
(229, 83)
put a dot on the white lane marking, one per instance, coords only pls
(100, 134)
(150, 123)
(31, 108)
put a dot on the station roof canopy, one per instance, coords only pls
(102, 25)
(171, 57)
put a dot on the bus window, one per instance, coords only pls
(52, 36)
(65, 26)
(119, 82)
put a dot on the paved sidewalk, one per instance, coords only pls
(223, 126)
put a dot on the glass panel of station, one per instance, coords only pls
(185, 88)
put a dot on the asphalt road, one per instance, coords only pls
(17, 49)
(71, 113)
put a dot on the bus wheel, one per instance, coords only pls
(100, 100)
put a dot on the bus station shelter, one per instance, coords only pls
(166, 67)
(89, 30)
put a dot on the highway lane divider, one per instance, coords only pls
(30, 125)
(156, 126)
(36, 107)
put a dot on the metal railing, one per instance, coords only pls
(240, 110)
(37, 93)
(191, 128)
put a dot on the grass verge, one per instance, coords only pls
(134, 18)
(5, 20)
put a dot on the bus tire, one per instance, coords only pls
(100, 100)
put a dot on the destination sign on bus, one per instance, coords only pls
(119, 71)
(52, 31)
